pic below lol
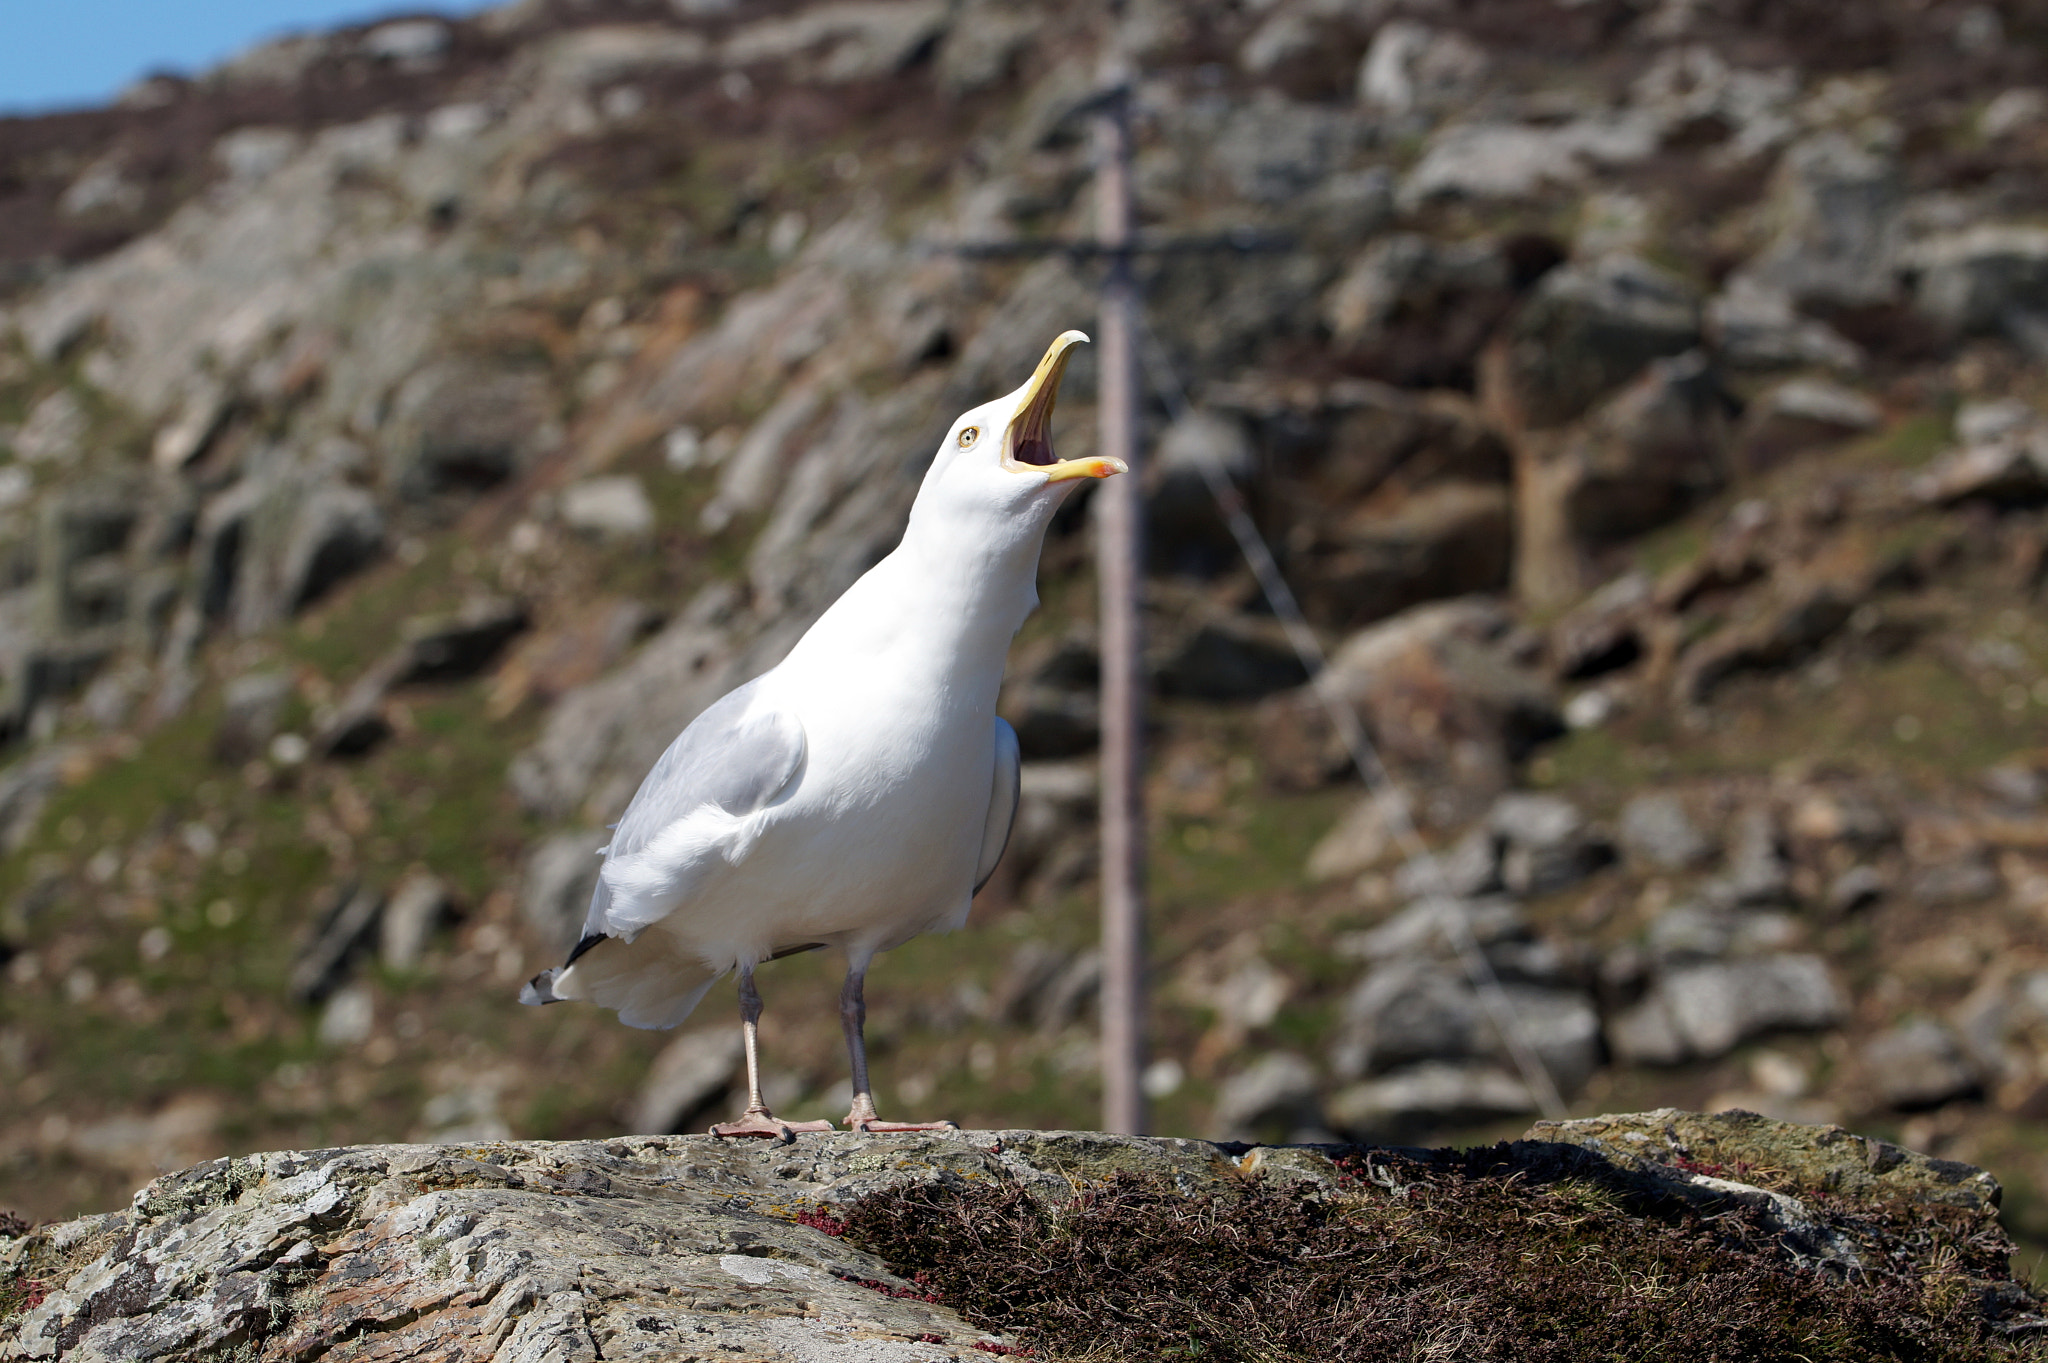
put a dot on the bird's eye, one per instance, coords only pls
(968, 436)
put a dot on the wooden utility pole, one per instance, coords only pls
(1119, 559)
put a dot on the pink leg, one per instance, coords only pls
(853, 1018)
(759, 1121)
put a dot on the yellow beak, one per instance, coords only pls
(1029, 447)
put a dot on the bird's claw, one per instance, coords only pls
(875, 1126)
(769, 1125)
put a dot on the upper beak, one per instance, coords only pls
(1028, 443)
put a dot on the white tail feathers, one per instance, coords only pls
(649, 982)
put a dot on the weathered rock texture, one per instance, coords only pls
(690, 1247)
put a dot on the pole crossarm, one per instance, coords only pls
(1236, 241)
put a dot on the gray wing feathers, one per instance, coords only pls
(1002, 804)
(737, 755)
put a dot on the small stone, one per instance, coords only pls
(349, 1017)
(1656, 830)
(614, 507)
(250, 708)
(1429, 1094)
(1275, 1090)
(1855, 888)
(418, 907)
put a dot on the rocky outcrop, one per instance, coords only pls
(679, 1246)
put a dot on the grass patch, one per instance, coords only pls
(1528, 1251)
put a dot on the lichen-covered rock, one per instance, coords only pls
(688, 1246)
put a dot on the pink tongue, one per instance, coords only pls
(1034, 451)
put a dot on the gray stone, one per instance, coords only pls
(1433, 925)
(2008, 471)
(1965, 880)
(1716, 1007)
(1656, 830)
(459, 427)
(1757, 872)
(1754, 327)
(1276, 1090)
(1981, 278)
(1488, 161)
(339, 935)
(1647, 455)
(1918, 1065)
(1228, 658)
(1836, 203)
(251, 707)
(1803, 414)
(1856, 888)
(692, 1072)
(335, 532)
(442, 648)
(1402, 1012)
(614, 507)
(1430, 1094)
(1589, 328)
(1442, 540)
(1405, 273)
(1469, 868)
(417, 909)
(555, 887)
(1411, 66)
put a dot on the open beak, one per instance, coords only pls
(1028, 446)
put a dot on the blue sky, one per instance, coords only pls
(57, 54)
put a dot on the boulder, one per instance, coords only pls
(459, 426)
(1656, 830)
(2007, 470)
(417, 909)
(555, 887)
(335, 532)
(614, 507)
(1184, 533)
(341, 932)
(1588, 328)
(1644, 457)
(1705, 1010)
(1444, 694)
(1836, 204)
(1546, 843)
(1980, 279)
(1492, 161)
(1431, 1094)
(1276, 1091)
(1411, 66)
(1229, 658)
(1918, 1065)
(1801, 415)
(629, 1245)
(443, 648)
(691, 1073)
(1753, 326)
(1447, 539)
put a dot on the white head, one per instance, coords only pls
(995, 481)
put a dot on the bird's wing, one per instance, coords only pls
(1002, 804)
(738, 756)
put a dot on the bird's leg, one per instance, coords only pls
(758, 1120)
(853, 1019)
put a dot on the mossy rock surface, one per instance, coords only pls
(921, 1247)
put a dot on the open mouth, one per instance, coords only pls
(1030, 433)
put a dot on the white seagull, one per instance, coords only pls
(861, 791)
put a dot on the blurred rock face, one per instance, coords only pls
(406, 430)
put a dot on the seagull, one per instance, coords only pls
(861, 791)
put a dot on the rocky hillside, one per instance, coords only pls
(405, 430)
(1653, 1235)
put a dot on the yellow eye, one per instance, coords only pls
(969, 435)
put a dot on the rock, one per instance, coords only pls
(1055, 813)
(251, 707)
(1053, 723)
(349, 1017)
(555, 887)
(442, 648)
(1647, 455)
(82, 574)
(1410, 1010)
(1753, 326)
(1443, 696)
(1360, 840)
(1964, 880)
(838, 43)
(1803, 414)
(459, 426)
(1470, 868)
(1413, 309)
(1183, 531)
(1427, 928)
(1828, 1160)
(692, 1072)
(417, 909)
(1489, 161)
(1271, 149)
(1705, 1010)
(2011, 470)
(1427, 1095)
(343, 930)
(1856, 888)
(336, 531)
(1229, 658)
(1604, 633)
(1756, 871)
(1918, 1065)
(1656, 830)
(1548, 845)
(1411, 66)
(1587, 329)
(1383, 438)
(612, 508)
(1796, 618)
(1982, 278)
(1836, 203)
(1444, 540)
(1277, 1090)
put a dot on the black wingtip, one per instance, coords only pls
(590, 940)
(540, 989)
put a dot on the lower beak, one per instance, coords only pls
(1029, 448)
